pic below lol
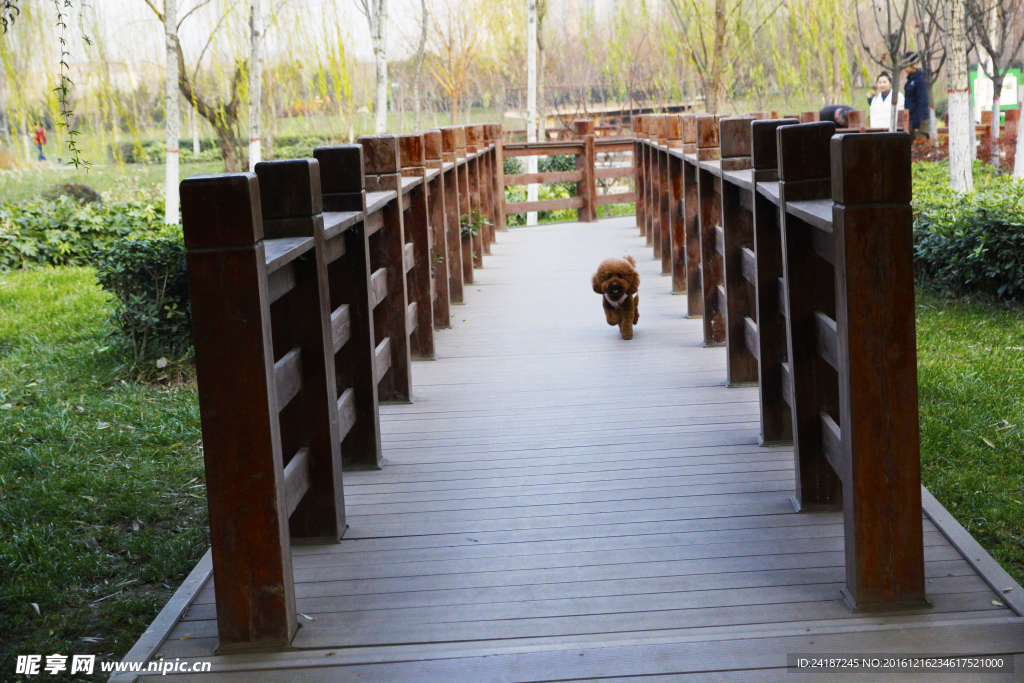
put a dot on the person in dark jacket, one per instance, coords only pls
(836, 113)
(916, 99)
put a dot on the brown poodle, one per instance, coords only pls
(617, 281)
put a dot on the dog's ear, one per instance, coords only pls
(629, 259)
(596, 282)
(634, 282)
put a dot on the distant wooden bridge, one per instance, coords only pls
(540, 500)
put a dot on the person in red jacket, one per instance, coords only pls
(40, 137)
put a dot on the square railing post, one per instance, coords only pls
(382, 165)
(230, 300)
(776, 418)
(438, 196)
(419, 245)
(690, 268)
(453, 200)
(586, 188)
(349, 283)
(709, 188)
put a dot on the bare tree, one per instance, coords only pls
(890, 20)
(990, 26)
(930, 30)
(255, 82)
(961, 127)
(171, 119)
(418, 75)
(718, 33)
(376, 13)
(220, 113)
(455, 38)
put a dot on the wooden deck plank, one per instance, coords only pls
(554, 491)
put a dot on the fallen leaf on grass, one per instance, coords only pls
(161, 364)
(80, 409)
(92, 639)
(990, 444)
(89, 498)
(135, 525)
(36, 608)
(102, 425)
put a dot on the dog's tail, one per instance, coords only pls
(630, 260)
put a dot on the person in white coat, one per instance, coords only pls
(881, 102)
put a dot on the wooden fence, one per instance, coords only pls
(794, 244)
(314, 283)
(585, 146)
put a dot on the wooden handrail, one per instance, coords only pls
(805, 264)
(312, 284)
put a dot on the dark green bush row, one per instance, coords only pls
(149, 284)
(63, 232)
(971, 243)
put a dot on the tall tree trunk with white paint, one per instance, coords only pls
(420, 54)
(960, 124)
(171, 115)
(378, 33)
(531, 100)
(1018, 160)
(255, 83)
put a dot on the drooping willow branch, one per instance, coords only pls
(66, 114)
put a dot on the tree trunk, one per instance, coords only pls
(993, 130)
(420, 54)
(378, 35)
(713, 93)
(1018, 160)
(960, 124)
(194, 115)
(531, 100)
(255, 83)
(171, 114)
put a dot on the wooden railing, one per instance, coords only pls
(585, 147)
(313, 284)
(804, 265)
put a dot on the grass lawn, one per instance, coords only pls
(122, 183)
(971, 393)
(102, 504)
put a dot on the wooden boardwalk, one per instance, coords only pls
(559, 504)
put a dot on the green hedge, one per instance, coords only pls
(149, 284)
(972, 243)
(62, 232)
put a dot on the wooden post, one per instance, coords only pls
(453, 210)
(348, 273)
(805, 174)
(586, 162)
(691, 274)
(776, 418)
(382, 164)
(477, 167)
(436, 195)
(857, 121)
(654, 210)
(639, 155)
(810, 116)
(495, 134)
(486, 186)
(677, 220)
(419, 244)
(465, 202)
(473, 166)
(292, 203)
(709, 186)
(230, 300)
(877, 354)
(664, 198)
(738, 260)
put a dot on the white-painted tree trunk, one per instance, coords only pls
(531, 100)
(378, 35)
(961, 125)
(194, 115)
(171, 114)
(1018, 160)
(255, 82)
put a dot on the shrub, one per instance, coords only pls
(64, 232)
(149, 283)
(972, 243)
(83, 194)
